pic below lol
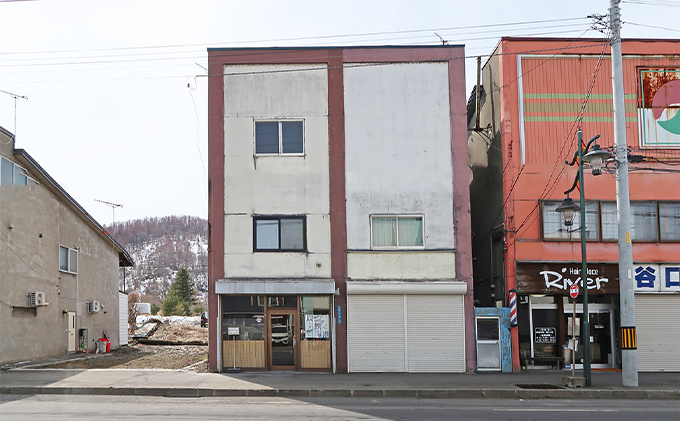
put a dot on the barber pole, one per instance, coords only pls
(513, 308)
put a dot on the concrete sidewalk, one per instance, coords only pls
(532, 384)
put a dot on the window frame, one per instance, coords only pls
(279, 218)
(280, 132)
(601, 235)
(658, 215)
(30, 181)
(69, 252)
(396, 217)
(577, 231)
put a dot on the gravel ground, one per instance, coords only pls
(140, 356)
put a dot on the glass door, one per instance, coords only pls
(601, 344)
(283, 340)
(488, 344)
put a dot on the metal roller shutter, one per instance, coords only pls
(658, 336)
(375, 333)
(436, 333)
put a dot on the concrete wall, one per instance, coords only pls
(398, 161)
(29, 261)
(275, 185)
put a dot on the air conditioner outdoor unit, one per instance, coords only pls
(36, 299)
(93, 306)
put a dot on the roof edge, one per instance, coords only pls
(124, 257)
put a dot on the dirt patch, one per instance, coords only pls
(138, 356)
(141, 356)
(181, 333)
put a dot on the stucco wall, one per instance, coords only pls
(275, 185)
(29, 261)
(398, 160)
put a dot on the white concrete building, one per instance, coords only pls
(338, 237)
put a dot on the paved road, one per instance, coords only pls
(56, 407)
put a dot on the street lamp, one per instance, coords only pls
(567, 209)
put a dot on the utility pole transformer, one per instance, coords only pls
(626, 283)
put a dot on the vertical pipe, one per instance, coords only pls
(627, 296)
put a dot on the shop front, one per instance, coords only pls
(657, 307)
(546, 319)
(277, 331)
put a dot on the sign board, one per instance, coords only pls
(545, 335)
(573, 291)
(655, 278)
(557, 278)
(233, 331)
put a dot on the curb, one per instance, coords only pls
(349, 393)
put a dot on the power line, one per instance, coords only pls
(203, 45)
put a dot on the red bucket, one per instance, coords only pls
(105, 342)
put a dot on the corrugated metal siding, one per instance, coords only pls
(553, 90)
(658, 335)
(123, 318)
(375, 333)
(436, 333)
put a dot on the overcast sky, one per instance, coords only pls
(116, 106)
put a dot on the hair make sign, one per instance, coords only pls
(557, 278)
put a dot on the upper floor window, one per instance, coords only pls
(68, 260)
(11, 173)
(279, 233)
(669, 221)
(554, 228)
(643, 221)
(279, 137)
(650, 221)
(396, 232)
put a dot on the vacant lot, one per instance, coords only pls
(142, 356)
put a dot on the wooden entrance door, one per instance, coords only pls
(283, 338)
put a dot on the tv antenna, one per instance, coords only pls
(113, 209)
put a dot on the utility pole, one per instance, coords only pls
(626, 283)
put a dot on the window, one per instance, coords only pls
(68, 260)
(669, 221)
(279, 233)
(650, 221)
(279, 137)
(643, 221)
(554, 228)
(396, 232)
(10, 173)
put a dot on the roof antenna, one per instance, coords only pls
(444, 42)
(113, 208)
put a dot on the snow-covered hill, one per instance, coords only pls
(159, 248)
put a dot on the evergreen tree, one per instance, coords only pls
(180, 299)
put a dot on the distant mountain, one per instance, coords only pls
(159, 248)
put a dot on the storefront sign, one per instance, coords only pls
(545, 335)
(655, 278)
(557, 278)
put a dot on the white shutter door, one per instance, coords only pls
(658, 335)
(435, 333)
(375, 333)
(123, 318)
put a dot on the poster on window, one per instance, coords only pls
(316, 326)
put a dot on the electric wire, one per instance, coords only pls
(202, 45)
(651, 26)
